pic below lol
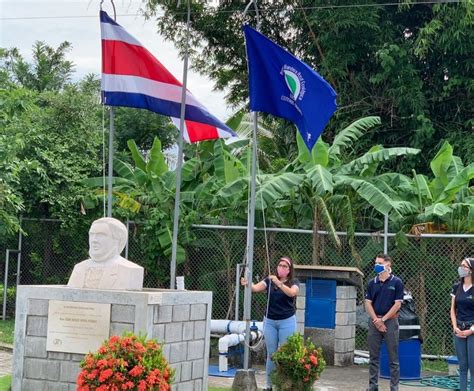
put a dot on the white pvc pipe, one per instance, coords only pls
(225, 326)
(224, 343)
(229, 340)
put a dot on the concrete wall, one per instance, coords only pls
(178, 319)
(300, 309)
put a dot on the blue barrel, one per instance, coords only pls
(409, 356)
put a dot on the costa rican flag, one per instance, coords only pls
(133, 77)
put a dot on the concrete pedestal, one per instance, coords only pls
(337, 339)
(180, 320)
(339, 343)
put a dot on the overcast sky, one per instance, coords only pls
(25, 21)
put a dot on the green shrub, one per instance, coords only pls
(11, 297)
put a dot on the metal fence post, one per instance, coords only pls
(385, 235)
(128, 239)
(18, 258)
(5, 283)
(238, 270)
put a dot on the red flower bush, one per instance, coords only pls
(126, 363)
(297, 364)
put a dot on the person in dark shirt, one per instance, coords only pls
(280, 319)
(462, 319)
(383, 300)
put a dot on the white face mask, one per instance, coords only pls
(463, 272)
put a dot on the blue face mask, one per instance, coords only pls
(379, 268)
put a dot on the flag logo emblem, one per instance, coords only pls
(292, 83)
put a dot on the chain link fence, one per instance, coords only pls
(427, 265)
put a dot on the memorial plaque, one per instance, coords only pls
(77, 327)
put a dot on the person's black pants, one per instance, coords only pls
(374, 339)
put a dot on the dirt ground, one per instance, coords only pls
(353, 378)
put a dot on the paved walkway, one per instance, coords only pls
(6, 358)
(353, 378)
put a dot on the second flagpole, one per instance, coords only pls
(174, 248)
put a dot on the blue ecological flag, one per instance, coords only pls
(286, 87)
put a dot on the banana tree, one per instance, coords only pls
(340, 190)
(443, 202)
(452, 197)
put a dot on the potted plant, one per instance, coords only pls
(126, 363)
(297, 364)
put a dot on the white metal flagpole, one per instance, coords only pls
(111, 143)
(250, 227)
(250, 241)
(174, 248)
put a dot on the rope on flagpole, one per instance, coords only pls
(113, 7)
(103, 162)
(257, 13)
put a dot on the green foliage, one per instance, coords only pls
(350, 134)
(11, 200)
(44, 122)
(48, 71)
(447, 199)
(143, 127)
(54, 130)
(5, 383)
(11, 297)
(297, 364)
(434, 366)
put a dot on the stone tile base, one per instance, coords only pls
(180, 320)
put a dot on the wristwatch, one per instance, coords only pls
(472, 328)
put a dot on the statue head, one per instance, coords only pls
(107, 239)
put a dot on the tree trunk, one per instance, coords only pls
(316, 237)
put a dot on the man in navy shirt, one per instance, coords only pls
(383, 300)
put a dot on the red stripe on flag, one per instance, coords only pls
(198, 131)
(120, 58)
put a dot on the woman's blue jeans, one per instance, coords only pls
(465, 352)
(276, 332)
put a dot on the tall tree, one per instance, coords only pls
(49, 69)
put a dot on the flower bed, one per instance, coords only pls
(126, 363)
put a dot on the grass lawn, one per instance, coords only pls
(5, 383)
(6, 331)
(434, 365)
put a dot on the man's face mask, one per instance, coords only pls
(378, 268)
(463, 272)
